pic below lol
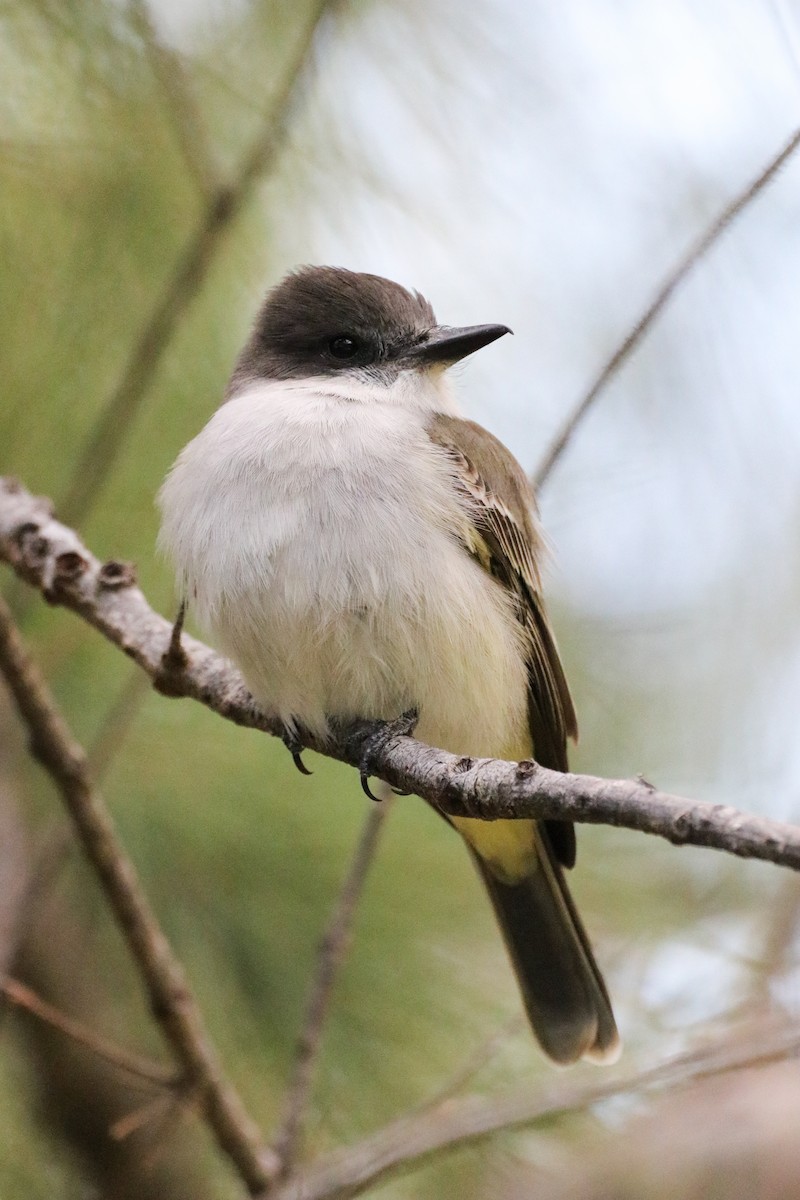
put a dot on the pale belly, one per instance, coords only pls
(320, 550)
(369, 646)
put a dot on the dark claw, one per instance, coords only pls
(403, 725)
(295, 747)
(366, 789)
(297, 759)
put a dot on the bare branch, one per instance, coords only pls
(786, 28)
(15, 861)
(480, 1057)
(116, 722)
(659, 301)
(222, 208)
(332, 953)
(168, 69)
(405, 1141)
(172, 1002)
(51, 557)
(23, 997)
(156, 1108)
(779, 935)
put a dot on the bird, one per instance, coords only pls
(360, 549)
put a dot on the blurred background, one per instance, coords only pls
(539, 163)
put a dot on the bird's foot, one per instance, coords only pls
(295, 745)
(384, 731)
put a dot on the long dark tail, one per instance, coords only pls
(562, 988)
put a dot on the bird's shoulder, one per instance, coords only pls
(508, 543)
(497, 491)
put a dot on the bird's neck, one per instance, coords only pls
(413, 391)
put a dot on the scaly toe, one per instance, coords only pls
(402, 726)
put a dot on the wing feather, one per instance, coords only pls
(506, 541)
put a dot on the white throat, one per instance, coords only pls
(422, 391)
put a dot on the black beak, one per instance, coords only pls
(445, 345)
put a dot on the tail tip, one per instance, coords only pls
(604, 1054)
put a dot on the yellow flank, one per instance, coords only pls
(508, 847)
(477, 547)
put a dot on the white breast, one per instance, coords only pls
(316, 537)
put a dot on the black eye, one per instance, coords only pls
(343, 346)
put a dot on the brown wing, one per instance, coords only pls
(507, 543)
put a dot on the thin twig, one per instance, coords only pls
(21, 996)
(168, 69)
(15, 858)
(659, 301)
(407, 1140)
(779, 936)
(115, 724)
(330, 959)
(788, 32)
(95, 462)
(480, 1057)
(51, 557)
(172, 1002)
(145, 1114)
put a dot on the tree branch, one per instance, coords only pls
(168, 69)
(659, 301)
(51, 557)
(223, 206)
(23, 997)
(172, 1002)
(405, 1141)
(332, 952)
(480, 1057)
(780, 933)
